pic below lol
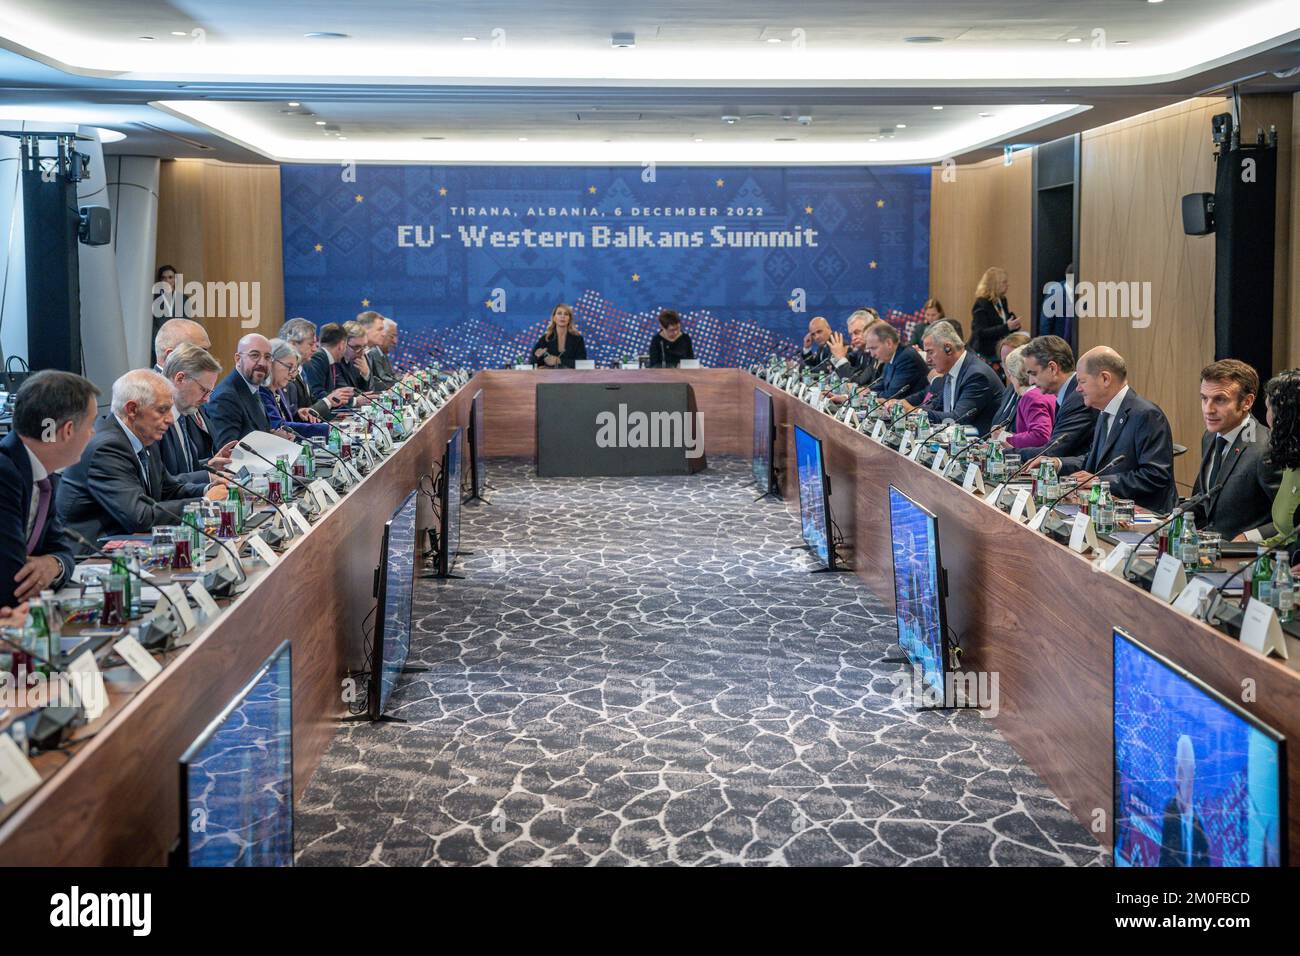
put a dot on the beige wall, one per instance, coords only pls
(980, 217)
(220, 222)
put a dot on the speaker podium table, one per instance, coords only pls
(589, 429)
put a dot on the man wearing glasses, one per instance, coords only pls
(235, 410)
(187, 447)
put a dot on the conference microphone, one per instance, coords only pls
(89, 545)
(1046, 448)
(975, 441)
(1061, 497)
(1178, 512)
(292, 477)
(288, 525)
(336, 457)
(1210, 616)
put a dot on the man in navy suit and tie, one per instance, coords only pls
(186, 449)
(54, 418)
(235, 410)
(119, 486)
(1049, 363)
(969, 391)
(816, 345)
(902, 370)
(1128, 425)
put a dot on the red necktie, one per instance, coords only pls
(42, 512)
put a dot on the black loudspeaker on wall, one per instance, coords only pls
(1198, 214)
(1245, 211)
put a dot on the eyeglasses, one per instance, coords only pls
(290, 366)
(254, 356)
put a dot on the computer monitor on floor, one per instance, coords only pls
(394, 581)
(764, 443)
(448, 485)
(476, 481)
(814, 498)
(236, 778)
(1198, 780)
(920, 588)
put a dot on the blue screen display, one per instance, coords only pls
(394, 637)
(762, 464)
(917, 587)
(453, 496)
(812, 494)
(237, 778)
(1197, 783)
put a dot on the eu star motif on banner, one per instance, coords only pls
(365, 303)
(880, 204)
(636, 277)
(808, 210)
(720, 183)
(442, 190)
(872, 264)
(591, 189)
(358, 198)
(318, 247)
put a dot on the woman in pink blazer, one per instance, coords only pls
(1036, 410)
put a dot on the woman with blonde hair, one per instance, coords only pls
(990, 319)
(931, 313)
(561, 344)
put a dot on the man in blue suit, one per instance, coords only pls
(235, 410)
(902, 370)
(1128, 425)
(54, 419)
(816, 345)
(1049, 363)
(969, 391)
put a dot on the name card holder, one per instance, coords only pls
(904, 444)
(877, 433)
(1189, 599)
(1023, 507)
(1082, 536)
(1169, 580)
(1113, 563)
(17, 775)
(129, 649)
(1261, 632)
(974, 480)
(940, 456)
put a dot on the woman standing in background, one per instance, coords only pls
(990, 319)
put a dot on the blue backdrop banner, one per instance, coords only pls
(470, 260)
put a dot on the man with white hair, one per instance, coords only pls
(969, 391)
(174, 333)
(381, 334)
(1182, 837)
(119, 486)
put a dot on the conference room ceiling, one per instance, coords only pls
(706, 81)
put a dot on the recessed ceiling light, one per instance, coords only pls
(109, 135)
(179, 33)
(923, 39)
(144, 38)
(985, 115)
(786, 139)
(295, 104)
(699, 139)
(936, 107)
(900, 126)
(342, 137)
(523, 139)
(1074, 39)
(432, 137)
(469, 39)
(1121, 42)
(773, 39)
(325, 36)
(1155, 1)
(320, 122)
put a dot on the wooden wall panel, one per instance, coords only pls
(220, 222)
(980, 216)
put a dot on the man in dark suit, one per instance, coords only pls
(850, 360)
(902, 370)
(1182, 836)
(1129, 425)
(1234, 453)
(301, 334)
(381, 370)
(816, 345)
(120, 486)
(54, 418)
(235, 410)
(969, 391)
(174, 333)
(1049, 363)
(186, 449)
(355, 369)
(322, 371)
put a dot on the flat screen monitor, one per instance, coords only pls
(814, 504)
(476, 445)
(1198, 780)
(236, 779)
(449, 501)
(764, 441)
(395, 581)
(919, 590)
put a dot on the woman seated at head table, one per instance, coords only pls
(670, 344)
(1036, 410)
(281, 410)
(561, 344)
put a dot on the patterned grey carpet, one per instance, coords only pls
(641, 671)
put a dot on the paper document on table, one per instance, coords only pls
(266, 444)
